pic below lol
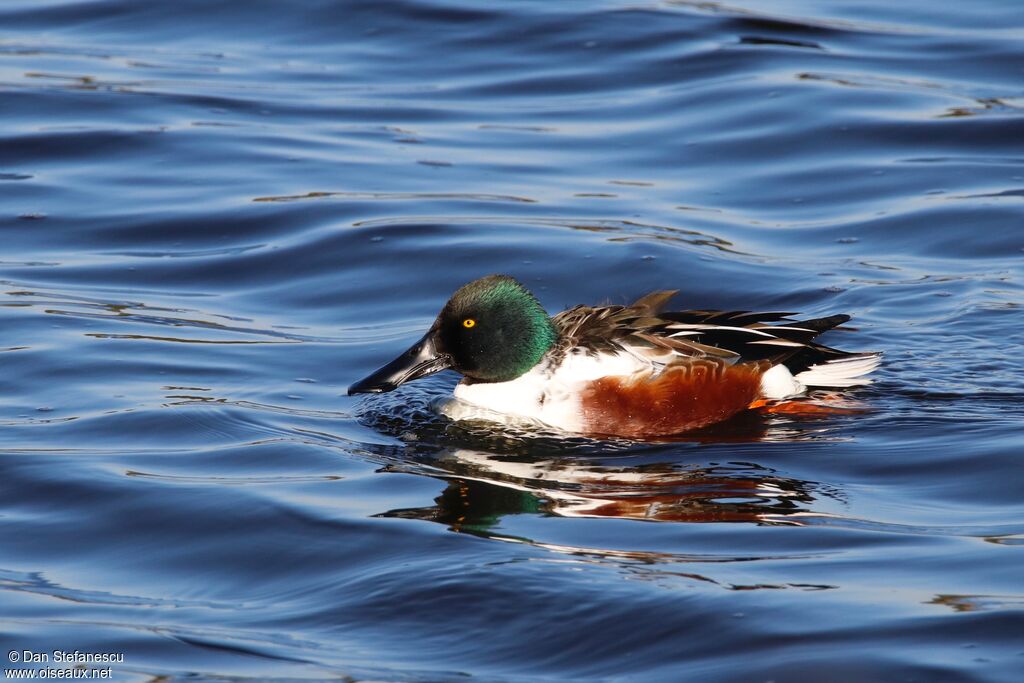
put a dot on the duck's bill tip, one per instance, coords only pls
(365, 387)
(420, 360)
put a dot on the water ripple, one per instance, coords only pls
(217, 216)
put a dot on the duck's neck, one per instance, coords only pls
(535, 337)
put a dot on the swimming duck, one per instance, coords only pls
(632, 371)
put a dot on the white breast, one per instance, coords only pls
(542, 394)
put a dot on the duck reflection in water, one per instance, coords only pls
(483, 487)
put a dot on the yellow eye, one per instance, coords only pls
(468, 322)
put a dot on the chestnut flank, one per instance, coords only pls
(680, 398)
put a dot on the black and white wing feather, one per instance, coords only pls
(666, 337)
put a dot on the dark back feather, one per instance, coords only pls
(669, 337)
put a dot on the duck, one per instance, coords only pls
(633, 371)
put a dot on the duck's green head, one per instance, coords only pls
(491, 330)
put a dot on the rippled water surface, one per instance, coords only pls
(217, 215)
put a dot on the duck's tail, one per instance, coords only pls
(846, 371)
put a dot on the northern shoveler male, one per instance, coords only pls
(634, 371)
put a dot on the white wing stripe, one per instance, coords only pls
(779, 342)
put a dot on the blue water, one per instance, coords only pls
(217, 215)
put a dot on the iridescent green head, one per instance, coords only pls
(494, 329)
(491, 330)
